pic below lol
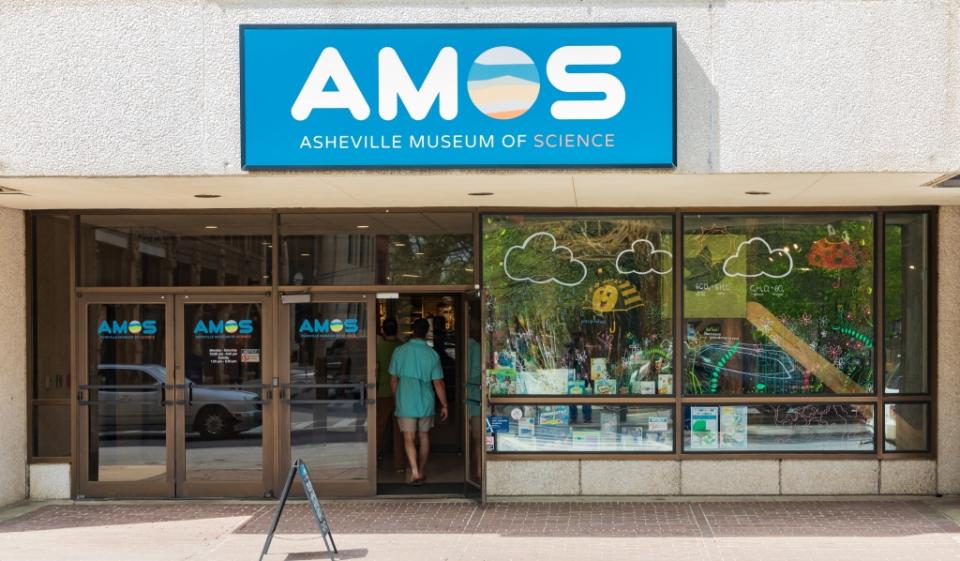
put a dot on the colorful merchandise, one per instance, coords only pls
(704, 428)
(605, 387)
(502, 381)
(733, 426)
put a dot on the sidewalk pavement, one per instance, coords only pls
(779, 529)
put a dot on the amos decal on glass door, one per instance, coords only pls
(448, 96)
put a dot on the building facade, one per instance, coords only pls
(721, 264)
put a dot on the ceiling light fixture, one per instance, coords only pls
(206, 196)
(304, 255)
(756, 192)
(211, 227)
(362, 226)
(480, 194)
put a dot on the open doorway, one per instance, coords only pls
(445, 469)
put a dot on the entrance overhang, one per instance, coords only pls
(441, 188)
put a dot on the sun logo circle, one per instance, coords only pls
(503, 83)
(336, 325)
(231, 326)
(134, 327)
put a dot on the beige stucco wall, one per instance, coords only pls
(13, 358)
(948, 355)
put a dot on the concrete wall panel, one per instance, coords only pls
(49, 481)
(13, 366)
(908, 477)
(544, 478)
(630, 477)
(829, 477)
(730, 477)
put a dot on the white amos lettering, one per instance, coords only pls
(440, 86)
(440, 83)
(585, 82)
(330, 67)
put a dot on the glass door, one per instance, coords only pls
(327, 389)
(473, 397)
(125, 397)
(224, 374)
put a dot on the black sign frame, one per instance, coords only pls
(299, 467)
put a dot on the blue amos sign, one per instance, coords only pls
(221, 327)
(449, 96)
(132, 328)
(313, 327)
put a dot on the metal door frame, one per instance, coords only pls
(471, 488)
(225, 488)
(138, 489)
(327, 487)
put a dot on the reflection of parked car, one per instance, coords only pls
(212, 412)
(764, 363)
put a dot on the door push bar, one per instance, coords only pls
(364, 388)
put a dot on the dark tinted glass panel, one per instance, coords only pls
(382, 248)
(223, 414)
(175, 250)
(778, 305)
(127, 376)
(579, 305)
(906, 427)
(51, 431)
(51, 307)
(581, 428)
(779, 428)
(905, 303)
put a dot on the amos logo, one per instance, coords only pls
(318, 327)
(503, 84)
(458, 96)
(220, 327)
(127, 328)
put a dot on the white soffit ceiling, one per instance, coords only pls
(451, 189)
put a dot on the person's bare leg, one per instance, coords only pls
(410, 445)
(424, 452)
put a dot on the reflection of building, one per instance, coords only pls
(772, 277)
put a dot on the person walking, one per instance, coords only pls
(417, 382)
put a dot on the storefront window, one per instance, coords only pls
(905, 304)
(798, 427)
(579, 305)
(581, 428)
(905, 427)
(50, 381)
(401, 248)
(778, 305)
(176, 250)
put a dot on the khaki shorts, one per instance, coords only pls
(415, 424)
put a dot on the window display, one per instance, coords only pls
(579, 305)
(778, 427)
(773, 308)
(778, 305)
(580, 428)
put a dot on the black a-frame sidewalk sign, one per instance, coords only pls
(300, 468)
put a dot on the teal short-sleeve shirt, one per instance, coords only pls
(416, 366)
